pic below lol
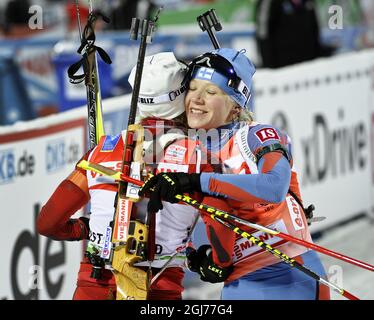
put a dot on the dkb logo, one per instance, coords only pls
(59, 153)
(12, 167)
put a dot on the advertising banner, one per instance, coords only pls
(32, 164)
(324, 106)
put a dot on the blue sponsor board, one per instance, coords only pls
(12, 166)
(58, 154)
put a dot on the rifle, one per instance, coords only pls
(91, 76)
(207, 21)
(132, 240)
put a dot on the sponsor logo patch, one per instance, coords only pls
(243, 248)
(295, 213)
(105, 253)
(110, 143)
(124, 207)
(146, 100)
(266, 134)
(175, 153)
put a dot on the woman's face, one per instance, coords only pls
(207, 106)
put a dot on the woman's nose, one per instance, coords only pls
(197, 97)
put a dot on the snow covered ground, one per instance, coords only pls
(355, 239)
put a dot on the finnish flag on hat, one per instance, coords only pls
(205, 73)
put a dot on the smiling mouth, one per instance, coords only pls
(197, 111)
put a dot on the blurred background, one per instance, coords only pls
(315, 79)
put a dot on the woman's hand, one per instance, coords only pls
(165, 186)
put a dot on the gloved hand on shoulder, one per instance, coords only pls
(201, 261)
(165, 186)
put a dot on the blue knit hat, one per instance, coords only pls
(227, 68)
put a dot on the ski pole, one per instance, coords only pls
(188, 200)
(90, 75)
(284, 257)
(223, 214)
(293, 263)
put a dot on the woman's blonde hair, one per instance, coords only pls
(243, 114)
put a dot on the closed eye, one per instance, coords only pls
(211, 92)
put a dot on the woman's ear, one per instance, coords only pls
(236, 110)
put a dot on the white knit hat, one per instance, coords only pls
(161, 93)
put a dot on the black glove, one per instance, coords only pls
(86, 223)
(165, 186)
(201, 261)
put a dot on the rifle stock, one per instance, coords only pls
(131, 238)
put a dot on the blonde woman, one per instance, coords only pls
(258, 184)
